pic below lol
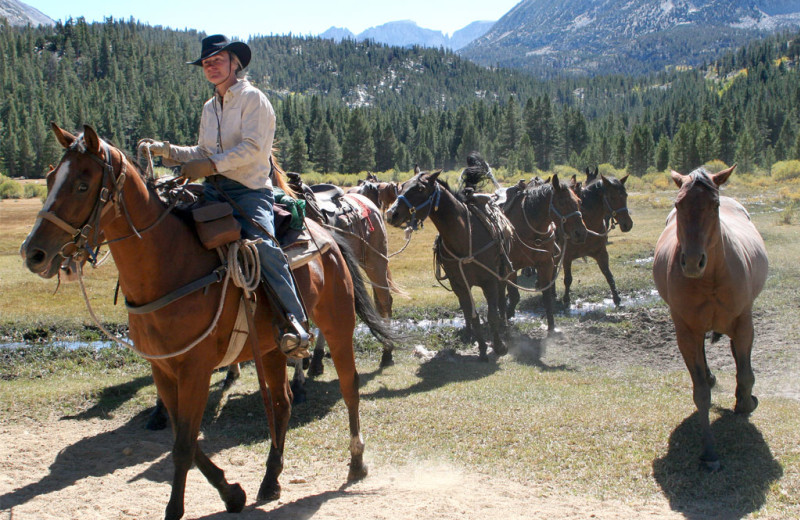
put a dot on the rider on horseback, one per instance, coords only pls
(237, 129)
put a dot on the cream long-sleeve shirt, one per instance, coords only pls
(236, 134)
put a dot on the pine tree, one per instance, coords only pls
(662, 153)
(508, 138)
(683, 153)
(358, 151)
(385, 148)
(640, 150)
(327, 155)
(745, 151)
(298, 152)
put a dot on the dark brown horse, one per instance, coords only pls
(545, 215)
(468, 253)
(96, 188)
(710, 264)
(604, 201)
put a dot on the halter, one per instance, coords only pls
(433, 199)
(613, 211)
(80, 236)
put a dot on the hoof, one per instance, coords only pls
(236, 499)
(741, 409)
(357, 473)
(711, 466)
(500, 349)
(299, 396)
(268, 493)
(386, 360)
(157, 421)
(316, 369)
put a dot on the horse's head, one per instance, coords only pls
(387, 193)
(615, 199)
(369, 190)
(417, 198)
(697, 217)
(78, 189)
(591, 176)
(565, 205)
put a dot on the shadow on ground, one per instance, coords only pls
(739, 489)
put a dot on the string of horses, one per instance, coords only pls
(188, 320)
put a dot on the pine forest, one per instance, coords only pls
(355, 107)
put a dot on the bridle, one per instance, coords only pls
(84, 247)
(563, 218)
(433, 200)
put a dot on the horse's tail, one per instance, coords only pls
(363, 302)
(393, 286)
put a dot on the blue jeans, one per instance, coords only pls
(257, 204)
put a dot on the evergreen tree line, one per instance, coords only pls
(358, 106)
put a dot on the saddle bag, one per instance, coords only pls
(216, 225)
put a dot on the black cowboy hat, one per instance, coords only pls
(217, 43)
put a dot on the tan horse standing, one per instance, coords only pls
(710, 264)
(96, 189)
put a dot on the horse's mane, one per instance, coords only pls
(537, 192)
(702, 178)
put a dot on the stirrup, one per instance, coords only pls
(295, 343)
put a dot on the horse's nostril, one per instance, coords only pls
(37, 257)
(703, 260)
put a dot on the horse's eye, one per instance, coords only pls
(82, 187)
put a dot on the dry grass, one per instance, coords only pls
(627, 434)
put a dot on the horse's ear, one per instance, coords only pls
(622, 180)
(64, 138)
(91, 140)
(416, 169)
(432, 176)
(721, 177)
(555, 182)
(677, 178)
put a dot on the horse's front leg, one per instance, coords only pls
(567, 280)
(185, 400)
(275, 373)
(298, 380)
(692, 346)
(471, 318)
(544, 281)
(741, 348)
(513, 297)
(602, 263)
(494, 318)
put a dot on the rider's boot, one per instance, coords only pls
(295, 338)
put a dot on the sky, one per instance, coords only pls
(299, 17)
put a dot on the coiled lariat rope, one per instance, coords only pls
(243, 267)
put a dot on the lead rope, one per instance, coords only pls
(240, 258)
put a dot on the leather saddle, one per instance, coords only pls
(328, 204)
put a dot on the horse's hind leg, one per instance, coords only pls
(341, 347)
(741, 347)
(317, 368)
(233, 374)
(298, 381)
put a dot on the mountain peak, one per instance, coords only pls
(18, 13)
